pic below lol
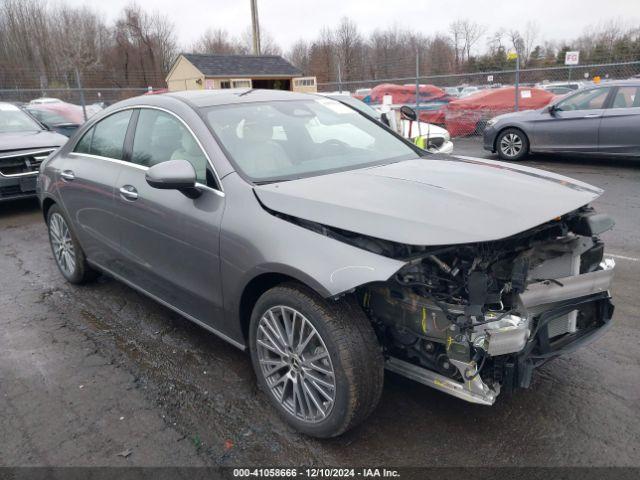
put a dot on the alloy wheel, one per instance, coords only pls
(62, 244)
(511, 145)
(296, 364)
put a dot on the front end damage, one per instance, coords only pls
(477, 319)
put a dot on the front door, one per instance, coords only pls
(620, 127)
(170, 242)
(87, 178)
(573, 125)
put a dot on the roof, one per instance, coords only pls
(227, 96)
(242, 65)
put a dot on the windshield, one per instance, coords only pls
(12, 119)
(357, 104)
(281, 140)
(47, 117)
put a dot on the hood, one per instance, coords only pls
(435, 201)
(521, 113)
(29, 140)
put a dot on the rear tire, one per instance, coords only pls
(341, 365)
(512, 145)
(66, 249)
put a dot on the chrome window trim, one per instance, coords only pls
(48, 151)
(153, 107)
(124, 163)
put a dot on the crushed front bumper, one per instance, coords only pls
(517, 345)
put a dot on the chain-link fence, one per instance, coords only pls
(70, 95)
(463, 102)
(76, 96)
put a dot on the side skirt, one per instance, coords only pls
(200, 323)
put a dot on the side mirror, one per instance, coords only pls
(174, 175)
(552, 109)
(408, 113)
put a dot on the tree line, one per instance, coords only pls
(43, 46)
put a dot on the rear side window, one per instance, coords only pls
(160, 137)
(627, 97)
(106, 138)
(84, 145)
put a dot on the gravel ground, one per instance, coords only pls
(100, 375)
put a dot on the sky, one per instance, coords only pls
(289, 20)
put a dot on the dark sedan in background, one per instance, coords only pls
(603, 119)
(24, 144)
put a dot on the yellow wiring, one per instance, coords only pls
(424, 320)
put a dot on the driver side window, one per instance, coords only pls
(592, 99)
(160, 137)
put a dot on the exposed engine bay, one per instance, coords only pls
(472, 320)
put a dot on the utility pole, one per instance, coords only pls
(82, 101)
(255, 26)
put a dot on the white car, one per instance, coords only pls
(43, 100)
(437, 138)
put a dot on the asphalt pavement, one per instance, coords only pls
(100, 375)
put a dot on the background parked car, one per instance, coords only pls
(469, 115)
(44, 100)
(436, 138)
(24, 144)
(432, 100)
(52, 120)
(601, 119)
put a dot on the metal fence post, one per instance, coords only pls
(79, 85)
(517, 102)
(417, 79)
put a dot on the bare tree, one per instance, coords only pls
(268, 45)
(456, 29)
(217, 40)
(299, 55)
(471, 34)
(348, 45)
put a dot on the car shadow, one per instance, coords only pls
(18, 207)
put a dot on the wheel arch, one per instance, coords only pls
(264, 281)
(511, 127)
(47, 203)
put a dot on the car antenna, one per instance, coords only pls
(249, 90)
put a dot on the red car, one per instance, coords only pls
(468, 115)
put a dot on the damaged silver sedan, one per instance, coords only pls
(330, 247)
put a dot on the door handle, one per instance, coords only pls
(592, 115)
(128, 192)
(67, 175)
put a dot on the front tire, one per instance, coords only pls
(512, 145)
(318, 361)
(66, 249)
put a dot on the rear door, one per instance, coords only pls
(170, 242)
(620, 126)
(87, 178)
(573, 125)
